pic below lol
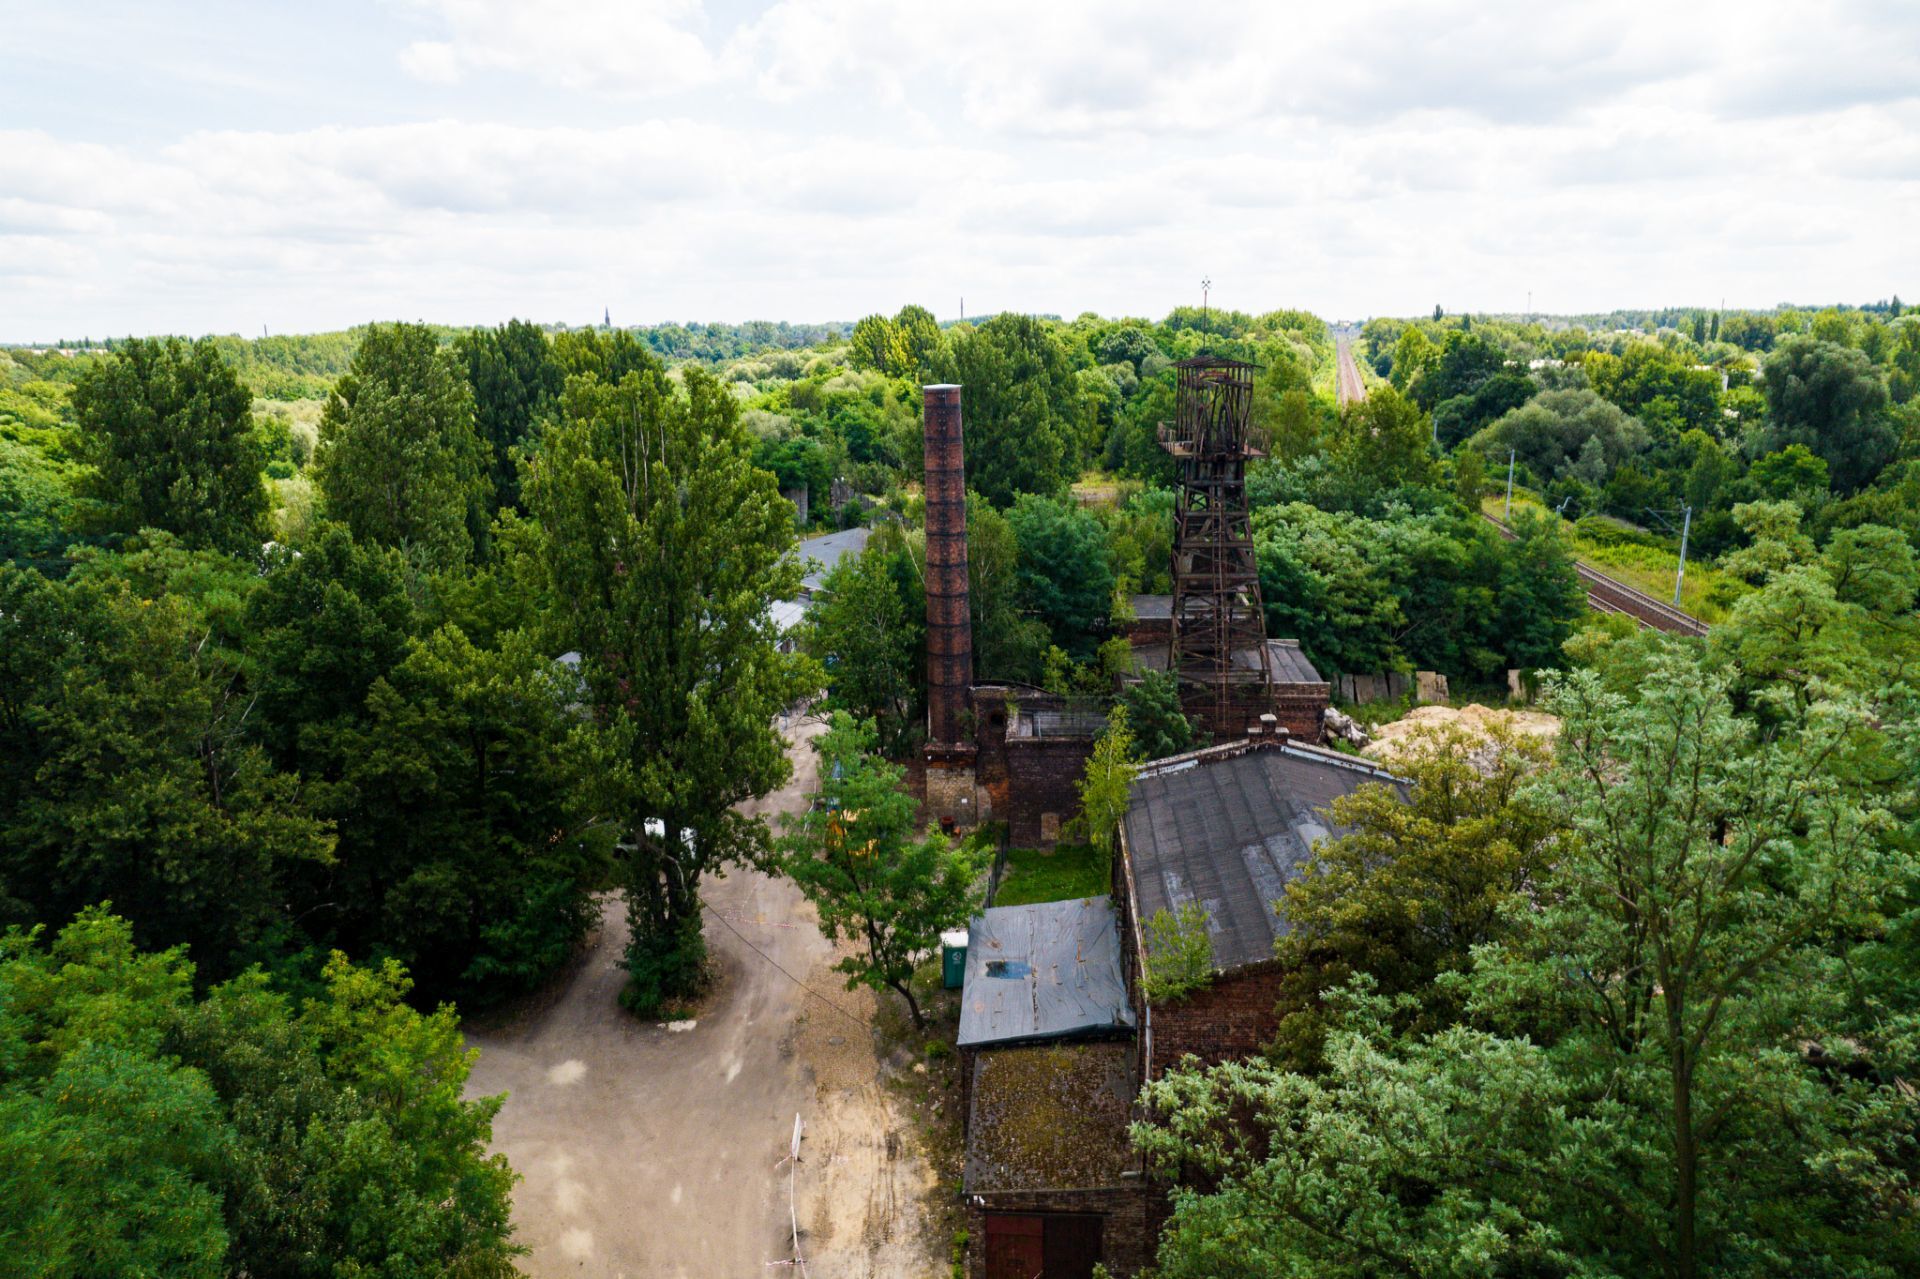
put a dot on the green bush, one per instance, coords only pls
(1179, 953)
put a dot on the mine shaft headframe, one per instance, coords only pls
(1213, 410)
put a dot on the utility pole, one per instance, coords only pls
(1680, 574)
(1509, 513)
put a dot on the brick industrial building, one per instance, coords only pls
(997, 751)
(1057, 1034)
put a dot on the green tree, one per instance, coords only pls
(1541, 597)
(516, 383)
(1384, 442)
(1831, 399)
(1426, 872)
(664, 548)
(852, 853)
(1108, 781)
(1179, 953)
(168, 431)
(1634, 1093)
(464, 797)
(1007, 644)
(110, 1152)
(1161, 728)
(920, 341)
(1021, 411)
(1552, 434)
(1063, 569)
(867, 629)
(876, 344)
(400, 463)
(1790, 472)
(1413, 355)
(125, 773)
(349, 1147)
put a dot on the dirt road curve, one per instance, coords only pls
(653, 1151)
(1347, 384)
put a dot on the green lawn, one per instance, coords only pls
(1069, 871)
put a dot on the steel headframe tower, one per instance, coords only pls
(1218, 648)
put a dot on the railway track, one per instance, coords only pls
(1348, 384)
(1605, 595)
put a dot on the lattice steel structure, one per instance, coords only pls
(1218, 647)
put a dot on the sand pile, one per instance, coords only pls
(1394, 741)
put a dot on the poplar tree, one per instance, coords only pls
(663, 548)
(400, 463)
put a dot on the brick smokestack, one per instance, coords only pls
(949, 624)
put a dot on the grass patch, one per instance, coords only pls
(1038, 875)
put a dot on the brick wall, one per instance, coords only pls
(1043, 775)
(1301, 710)
(1128, 1231)
(950, 787)
(1232, 1018)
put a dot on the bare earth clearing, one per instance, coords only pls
(653, 1151)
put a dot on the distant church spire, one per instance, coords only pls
(606, 318)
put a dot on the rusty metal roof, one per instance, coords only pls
(1229, 827)
(1046, 971)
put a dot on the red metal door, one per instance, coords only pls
(1016, 1246)
(1072, 1247)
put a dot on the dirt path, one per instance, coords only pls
(654, 1150)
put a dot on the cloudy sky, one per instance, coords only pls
(223, 165)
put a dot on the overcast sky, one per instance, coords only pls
(219, 166)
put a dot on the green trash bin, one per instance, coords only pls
(953, 958)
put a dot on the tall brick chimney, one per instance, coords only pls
(952, 797)
(949, 625)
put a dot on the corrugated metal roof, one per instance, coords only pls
(1228, 828)
(1045, 971)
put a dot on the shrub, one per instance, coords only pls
(1179, 953)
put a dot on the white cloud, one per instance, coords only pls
(824, 158)
(622, 47)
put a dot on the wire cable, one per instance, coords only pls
(708, 907)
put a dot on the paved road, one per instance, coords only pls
(649, 1151)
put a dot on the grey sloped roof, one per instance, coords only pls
(1046, 971)
(1152, 608)
(1228, 828)
(830, 550)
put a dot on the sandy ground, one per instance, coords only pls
(1414, 730)
(658, 1150)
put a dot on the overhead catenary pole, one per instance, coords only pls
(1508, 515)
(1680, 574)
